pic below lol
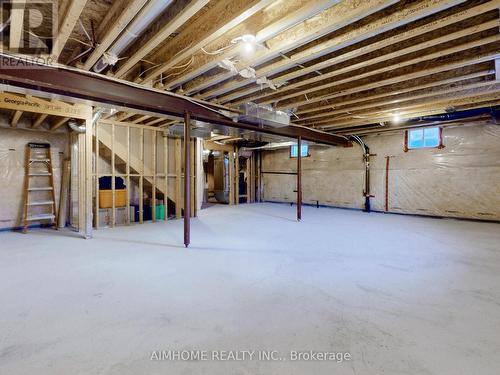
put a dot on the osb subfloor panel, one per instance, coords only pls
(402, 295)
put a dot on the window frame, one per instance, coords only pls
(296, 145)
(407, 139)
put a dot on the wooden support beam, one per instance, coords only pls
(15, 118)
(216, 146)
(67, 23)
(192, 148)
(163, 34)
(38, 121)
(259, 177)
(96, 173)
(205, 29)
(16, 25)
(154, 122)
(88, 154)
(125, 115)
(187, 179)
(165, 172)
(140, 119)
(132, 9)
(178, 178)
(247, 167)
(33, 104)
(58, 123)
(127, 172)
(231, 176)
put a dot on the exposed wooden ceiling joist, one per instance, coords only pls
(433, 107)
(114, 30)
(66, 25)
(383, 24)
(15, 118)
(290, 99)
(397, 106)
(206, 62)
(163, 34)
(212, 25)
(330, 20)
(337, 59)
(346, 106)
(405, 77)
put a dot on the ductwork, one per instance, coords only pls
(366, 159)
(147, 15)
(76, 126)
(80, 127)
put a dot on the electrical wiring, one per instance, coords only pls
(85, 31)
(217, 52)
(51, 37)
(185, 66)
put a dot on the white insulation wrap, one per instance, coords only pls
(12, 161)
(460, 180)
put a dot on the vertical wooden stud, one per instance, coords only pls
(141, 177)
(88, 175)
(237, 177)
(113, 178)
(96, 218)
(165, 171)
(231, 177)
(127, 172)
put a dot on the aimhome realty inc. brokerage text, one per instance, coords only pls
(248, 355)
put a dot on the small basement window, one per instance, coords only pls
(304, 150)
(424, 138)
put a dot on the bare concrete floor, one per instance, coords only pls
(402, 295)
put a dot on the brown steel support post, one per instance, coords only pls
(187, 178)
(299, 181)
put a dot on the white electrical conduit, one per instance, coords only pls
(147, 15)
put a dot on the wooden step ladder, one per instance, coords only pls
(38, 167)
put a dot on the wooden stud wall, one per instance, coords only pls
(143, 174)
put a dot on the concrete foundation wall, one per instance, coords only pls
(460, 180)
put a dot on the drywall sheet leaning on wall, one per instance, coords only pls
(460, 180)
(12, 163)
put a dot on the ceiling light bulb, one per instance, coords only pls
(249, 38)
(248, 48)
(396, 118)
